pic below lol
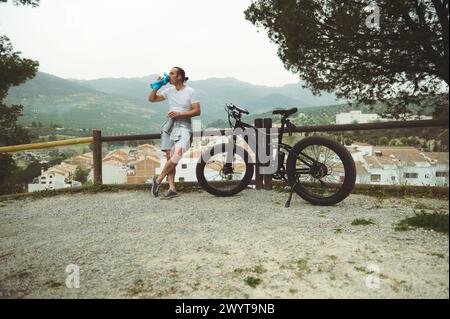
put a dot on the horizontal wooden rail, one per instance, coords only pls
(301, 129)
(124, 138)
(34, 146)
(372, 126)
(157, 136)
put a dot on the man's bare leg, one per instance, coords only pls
(171, 174)
(170, 165)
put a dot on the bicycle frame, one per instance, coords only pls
(281, 170)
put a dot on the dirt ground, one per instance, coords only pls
(130, 245)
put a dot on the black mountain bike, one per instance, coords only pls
(318, 169)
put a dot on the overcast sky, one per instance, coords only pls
(88, 39)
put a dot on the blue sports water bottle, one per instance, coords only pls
(158, 84)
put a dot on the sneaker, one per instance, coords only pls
(169, 194)
(155, 187)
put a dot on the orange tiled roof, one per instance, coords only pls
(145, 146)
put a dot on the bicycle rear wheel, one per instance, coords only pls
(322, 170)
(222, 171)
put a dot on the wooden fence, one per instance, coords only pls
(261, 181)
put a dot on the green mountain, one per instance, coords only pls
(47, 98)
(215, 92)
(120, 105)
(273, 101)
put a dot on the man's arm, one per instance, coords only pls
(195, 111)
(154, 97)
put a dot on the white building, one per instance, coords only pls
(360, 118)
(113, 172)
(356, 117)
(56, 177)
(400, 166)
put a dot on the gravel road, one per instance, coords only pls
(128, 244)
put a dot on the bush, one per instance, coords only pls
(362, 221)
(435, 221)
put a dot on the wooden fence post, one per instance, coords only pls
(97, 156)
(267, 126)
(258, 176)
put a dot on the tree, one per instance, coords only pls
(14, 70)
(340, 46)
(383, 141)
(57, 160)
(404, 141)
(81, 175)
(28, 174)
(33, 3)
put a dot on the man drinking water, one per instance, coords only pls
(176, 132)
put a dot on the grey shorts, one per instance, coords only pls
(179, 135)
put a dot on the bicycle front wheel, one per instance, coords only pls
(224, 171)
(322, 170)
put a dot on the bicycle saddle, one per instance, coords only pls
(285, 112)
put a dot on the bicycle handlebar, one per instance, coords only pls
(232, 107)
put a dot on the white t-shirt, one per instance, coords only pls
(180, 101)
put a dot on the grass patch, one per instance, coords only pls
(259, 269)
(422, 206)
(431, 221)
(299, 266)
(44, 193)
(387, 191)
(136, 288)
(362, 221)
(438, 255)
(91, 189)
(333, 257)
(402, 227)
(303, 268)
(53, 284)
(363, 270)
(399, 285)
(253, 281)
(302, 265)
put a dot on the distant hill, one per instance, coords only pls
(135, 88)
(274, 101)
(120, 105)
(215, 92)
(48, 98)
